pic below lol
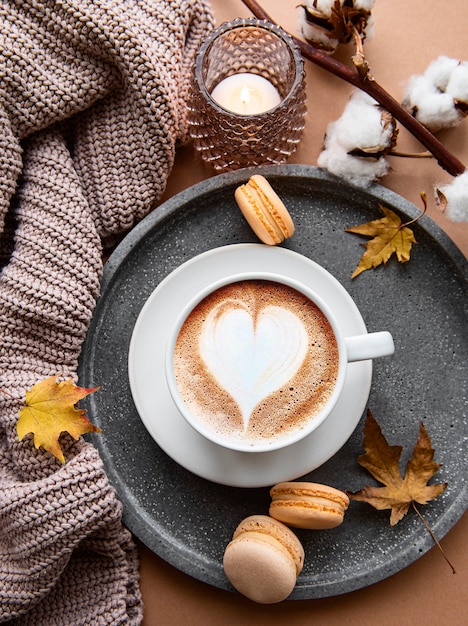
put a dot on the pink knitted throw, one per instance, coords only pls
(92, 101)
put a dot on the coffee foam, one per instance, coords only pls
(256, 360)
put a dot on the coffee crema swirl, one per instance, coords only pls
(256, 360)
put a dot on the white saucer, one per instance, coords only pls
(158, 411)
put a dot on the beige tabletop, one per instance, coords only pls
(408, 36)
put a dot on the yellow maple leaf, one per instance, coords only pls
(49, 410)
(382, 461)
(390, 236)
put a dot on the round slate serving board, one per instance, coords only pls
(188, 520)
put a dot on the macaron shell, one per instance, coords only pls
(308, 505)
(264, 210)
(263, 559)
(260, 568)
(256, 218)
(275, 206)
(274, 528)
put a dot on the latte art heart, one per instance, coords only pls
(255, 362)
(250, 359)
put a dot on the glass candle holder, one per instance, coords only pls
(247, 97)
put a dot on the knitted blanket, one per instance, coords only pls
(92, 102)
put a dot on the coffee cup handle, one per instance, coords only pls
(370, 346)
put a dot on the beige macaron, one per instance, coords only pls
(263, 559)
(308, 505)
(264, 210)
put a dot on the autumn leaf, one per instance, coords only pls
(382, 461)
(49, 410)
(389, 236)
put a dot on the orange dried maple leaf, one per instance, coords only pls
(49, 410)
(389, 236)
(382, 461)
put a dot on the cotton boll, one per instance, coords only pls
(457, 85)
(356, 170)
(362, 128)
(312, 29)
(323, 7)
(438, 112)
(370, 28)
(360, 96)
(320, 25)
(318, 36)
(439, 71)
(418, 88)
(453, 198)
(430, 106)
(366, 5)
(438, 97)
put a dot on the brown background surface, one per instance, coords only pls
(408, 36)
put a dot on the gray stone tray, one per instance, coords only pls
(187, 520)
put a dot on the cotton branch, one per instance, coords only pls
(444, 157)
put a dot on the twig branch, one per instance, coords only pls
(434, 538)
(12, 397)
(424, 210)
(411, 155)
(444, 157)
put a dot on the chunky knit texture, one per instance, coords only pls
(92, 102)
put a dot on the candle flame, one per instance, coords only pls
(245, 95)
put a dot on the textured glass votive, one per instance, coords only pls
(256, 73)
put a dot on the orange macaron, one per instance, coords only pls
(263, 559)
(308, 505)
(264, 210)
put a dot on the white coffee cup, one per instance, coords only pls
(235, 363)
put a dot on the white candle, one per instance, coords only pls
(246, 94)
